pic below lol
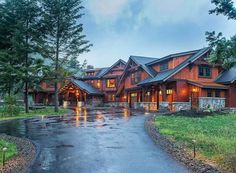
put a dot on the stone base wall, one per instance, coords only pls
(179, 106)
(148, 106)
(163, 106)
(117, 104)
(214, 103)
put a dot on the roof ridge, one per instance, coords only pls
(175, 55)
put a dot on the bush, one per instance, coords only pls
(10, 107)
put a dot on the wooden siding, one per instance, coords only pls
(191, 73)
(231, 96)
(172, 63)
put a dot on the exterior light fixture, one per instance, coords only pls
(195, 89)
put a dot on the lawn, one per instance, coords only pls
(11, 150)
(32, 113)
(215, 136)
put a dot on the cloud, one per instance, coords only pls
(159, 12)
(106, 10)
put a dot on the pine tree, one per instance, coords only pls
(223, 50)
(24, 40)
(64, 38)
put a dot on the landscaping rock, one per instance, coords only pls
(26, 154)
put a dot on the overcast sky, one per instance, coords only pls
(120, 28)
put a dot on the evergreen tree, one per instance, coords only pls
(64, 38)
(23, 40)
(223, 50)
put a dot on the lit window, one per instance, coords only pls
(98, 84)
(111, 97)
(169, 91)
(134, 95)
(204, 71)
(111, 83)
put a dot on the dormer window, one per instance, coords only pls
(164, 66)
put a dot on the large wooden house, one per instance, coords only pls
(175, 82)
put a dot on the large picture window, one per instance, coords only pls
(111, 83)
(135, 77)
(204, 71)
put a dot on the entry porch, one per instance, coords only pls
(79, 93)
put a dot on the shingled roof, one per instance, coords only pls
(165, 58)
(143, 61)
(86, 87)
(227, 77)
(165, 75)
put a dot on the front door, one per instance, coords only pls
(195, 100)
(133, 99)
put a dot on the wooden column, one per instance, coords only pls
(157, 97)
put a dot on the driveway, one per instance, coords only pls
(95, 141)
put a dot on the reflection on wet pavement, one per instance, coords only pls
(93, 141)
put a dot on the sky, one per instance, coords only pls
(152, 28)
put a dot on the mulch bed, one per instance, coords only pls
(177, 152)
(26, 155)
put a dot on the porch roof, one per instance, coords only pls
(86, 87)
(207, 85)
(227, 77)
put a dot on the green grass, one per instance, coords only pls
(11, 150)
(32, 113)
(215, 136)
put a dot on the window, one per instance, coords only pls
(98, 84)
(209, 93)
(204, 71)
(164, 66)
(111, 83)
(111, 97)
(135, 77)
(217, 93)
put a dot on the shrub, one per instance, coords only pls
(10, 107)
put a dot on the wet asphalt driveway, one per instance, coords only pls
(95, 141)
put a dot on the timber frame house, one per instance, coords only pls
(175, 82)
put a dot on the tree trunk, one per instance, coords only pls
(56, 97)
(26, 72)
(56, 68)
(26, 97)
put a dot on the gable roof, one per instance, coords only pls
(86, 87)
(99, 74)
(165, 58)
(165, 75)
(108, 69)
(227, 77)
(143, 61)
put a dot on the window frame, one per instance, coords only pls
(108, 83)
(204, 69)
(209, 91)
(136, 77)
(164, 66)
